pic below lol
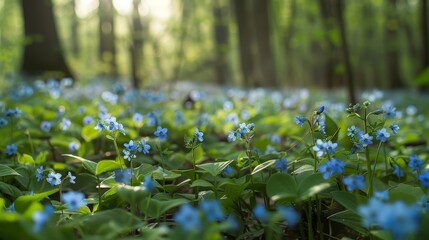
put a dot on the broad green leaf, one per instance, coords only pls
(26, 159)
(89, 133)
(384, 235)
(349, 200)
(214, 168)
(132, 194)
(311, 185)
(331, 128)
(262, 166)
(161, 174)
(7, 171)
(22, 202)
(105, 166)
(406, 193)
(171, 188)
(87, 164)
(201, 183)
(107, 224)
(41, 158)
(281, 186)
(9, 190)
(156, 208)
(198, 154)
(350, 219)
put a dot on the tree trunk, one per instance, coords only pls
(136, 48)
(43, 54)
(107, 49)
(245, 42)
(74, 29)
(186, 11)
(221, 37)
(348, 74)
(287, 41)
(425, 33)
(391, 41)
(266, 59)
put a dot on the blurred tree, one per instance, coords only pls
(107, 49)
(74, 27)
(348, 74)
(136, 48)
(391, 45)
(221, 37)
(183, 33)
(245, 42)
(287, 37)
(425, 32)
(43, 53)
(262, 28)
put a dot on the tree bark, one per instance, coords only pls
(262, 27)
(245, 41)
(348, 74)
(425, 33)
(221, 37)
(136, 48)
(74, 29)
(43, 54)
(287, 41)
(107, 49)
(392, 53)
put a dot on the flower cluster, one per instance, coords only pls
(324, 148)
(242, 131)
(109, 124)
(331, 167)
(287, 214)
(54, 178)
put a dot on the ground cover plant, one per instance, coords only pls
(110, 163)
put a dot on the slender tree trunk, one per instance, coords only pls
(221, 37)
(348, 74)
(74, 29)
(107, 49)
(266, 59)
(186, 11)
(43, 54)
(391, 41)
(287, 41)
(425, 33)
(136, 48)
(245, 42)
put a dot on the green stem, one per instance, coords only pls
(309, 222)
(368, 160)
(386, 166)
(375, 164)
(99, 191)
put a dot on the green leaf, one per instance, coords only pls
(87, 164)
(41, 158)
(423, 78)
(132, 194)
(349, 219)
(406, 193)
(384, 235)
(9, 190)
(7, 171)
(311, 185)
(89, 133)
(214, 168)
(22, 202)
(282, 186)
(105, 166)
(201, 183)
(161, 174)
(198, 154)
(262, 166)
(349, 200)
(155, 208)
(26, 159)
(331, 128)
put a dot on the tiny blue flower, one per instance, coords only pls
(131, 146)
(87, 120)
(228, 171)
(399, 219)
(145, 148)
(354, 131)
(281, 165)
(54, 178)
(199, 135)
(415, 163)
(3, 122)
(74, 200)
(123, 176)
(365, 140)
(65, 124)
(382, 195)
(370, 212)
(73, 146)
(39, 175)
(424, 178)
(300, 120)
(212, 210)
(188, 218)
(46, 126)
(161, 133)
(40, 218)
(71, 178)
(382, 135)
(149, 184)
(354, 182)
(275, 139)
(331, 167)
(320, 110)
(11, 150)
(319, 148)
(290, 215)
(100, 126)
(179, 119)
(12, 113)
(243, 129)
(390, 112)
(232, 137)
(394, 127)
(138, 117)
(398, 171)
(261, 213)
